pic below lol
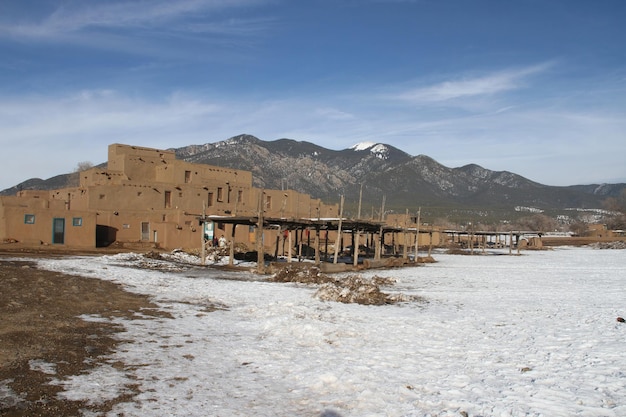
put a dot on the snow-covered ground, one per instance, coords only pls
(530, 335)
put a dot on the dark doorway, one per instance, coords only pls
(105, 235)
(58, 231)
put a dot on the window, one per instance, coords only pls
(187, 177)
(29, 218)
(209, 202)
(268, 203)
(240, 196)
(77, 221)
(220, 194)
(168, 199)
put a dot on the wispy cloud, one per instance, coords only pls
(79, 18)
(485, 85)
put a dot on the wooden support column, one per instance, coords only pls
(355, 246)
(355, 251)
(381, 238)
(317, 245)
(231, 253)
(260, 260)
(326, 245)
(417, 234)
(289, 246)
(203, 247)
(405, 245)
(338, 240)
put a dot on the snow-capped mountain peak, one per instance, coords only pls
(362, 146)
(378, 149)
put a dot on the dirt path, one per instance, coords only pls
(39, 323)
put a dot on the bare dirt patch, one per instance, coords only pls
(43, 338)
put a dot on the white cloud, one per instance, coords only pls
(490, 84)
(72, 19)
(334, 114)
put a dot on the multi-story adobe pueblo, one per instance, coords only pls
(147, 197)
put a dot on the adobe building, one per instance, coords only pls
(147, 197)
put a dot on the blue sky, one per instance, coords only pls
(536, 87)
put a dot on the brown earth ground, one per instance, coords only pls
(39, 313)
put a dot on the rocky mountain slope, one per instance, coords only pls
(406, 181)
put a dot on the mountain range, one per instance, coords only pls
(374, 170)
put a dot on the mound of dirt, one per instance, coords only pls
(356, 289)
(353, 289)
(350, 289)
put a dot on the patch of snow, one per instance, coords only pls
(362, 146)
(40, 365)
(97, 386)
(528, 209)
(381, 151)
(8, 397)
(523, 335)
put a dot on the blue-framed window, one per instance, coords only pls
(29, 218)
(77, 221)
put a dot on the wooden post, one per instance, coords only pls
(203, 247)
(260, 259)
(231, 254)
(354, 252)
(380, 241)
(289, 247)
(355, 246)
(510, 242)
(326, 246)
(317, 235)
(405, 245)
(317, 245)
(338, 240)
(417, 233)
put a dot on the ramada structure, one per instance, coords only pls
(148, 197)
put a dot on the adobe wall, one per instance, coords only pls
(30, 221)
(136, 161)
